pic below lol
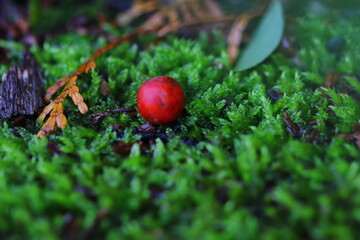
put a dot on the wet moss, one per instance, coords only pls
(246, 176)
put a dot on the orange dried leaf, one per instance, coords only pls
(58, 84)
(61, 120)
(46, 111)
(72, 80)
(90, 66)
(48, 127)
(73, 89)
(55, 109)
(50, 124)
(77, 98)
(83, 108)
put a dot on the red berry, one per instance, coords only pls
(160, 100)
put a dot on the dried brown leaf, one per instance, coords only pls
(235, 36)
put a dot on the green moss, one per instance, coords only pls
(247, 178)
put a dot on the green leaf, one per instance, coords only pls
(266, 38)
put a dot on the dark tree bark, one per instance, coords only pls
(21, 89)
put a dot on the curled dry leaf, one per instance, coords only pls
(235, 37)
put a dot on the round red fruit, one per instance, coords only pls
(160, 100)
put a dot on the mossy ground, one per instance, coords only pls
(247, 178)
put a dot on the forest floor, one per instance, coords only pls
(267, 153)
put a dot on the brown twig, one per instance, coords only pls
(55, 110)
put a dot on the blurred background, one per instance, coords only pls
(41, 17)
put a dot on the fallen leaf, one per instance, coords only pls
(235, 37)
(265, 39)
